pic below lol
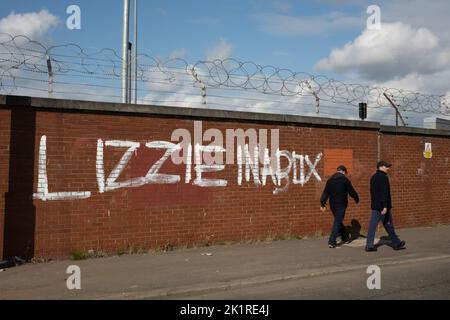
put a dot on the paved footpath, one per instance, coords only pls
(287, 269)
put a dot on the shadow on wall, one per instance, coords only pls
(20, 217)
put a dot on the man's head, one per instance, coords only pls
(383, 166)
(342, 169)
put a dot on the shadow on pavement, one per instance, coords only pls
(354, 231)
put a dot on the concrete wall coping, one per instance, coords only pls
(182, 112)
(413, 131)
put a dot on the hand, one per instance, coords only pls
(384, 211)
(323, 209)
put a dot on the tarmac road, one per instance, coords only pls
(419, 279)
(287, 269)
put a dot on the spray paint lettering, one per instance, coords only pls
(247, 163)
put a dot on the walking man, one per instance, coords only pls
(380, 192)
(337, 189)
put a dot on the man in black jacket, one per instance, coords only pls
(337, 188)
(380, 192)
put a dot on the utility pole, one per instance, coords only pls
(397, 113)
(130, 71)
(135, 49)
(125, 55)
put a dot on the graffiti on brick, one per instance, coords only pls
(253, 163)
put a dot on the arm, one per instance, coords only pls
(324, 197)
(352, 192)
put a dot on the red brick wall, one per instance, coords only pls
(5, 116)
(421, 186)
(155, 215)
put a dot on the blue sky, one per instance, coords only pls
(284, 33)
(196, 26)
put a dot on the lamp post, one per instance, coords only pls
(135, 49)
(125, 56)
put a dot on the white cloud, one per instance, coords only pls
(432, 15)
(435, 83)
(395, 51)
(33, 24)
(13, 72)
(22, 79)
(284, 25)
(221, 50)
(412, 53)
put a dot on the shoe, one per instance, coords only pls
(400, 246)
(332, 245)
(371, 249)
(345, 239)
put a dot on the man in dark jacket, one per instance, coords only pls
(381, 204)
(337, 188)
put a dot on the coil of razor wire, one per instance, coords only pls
(20, 53)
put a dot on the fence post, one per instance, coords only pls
(315, 96)
(50, 75)
(202, 84)
(397, 113)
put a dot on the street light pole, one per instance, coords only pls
(135, 49)
(125, 56)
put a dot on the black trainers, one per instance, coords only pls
(400, 246)
(371, 249)
(332, 245)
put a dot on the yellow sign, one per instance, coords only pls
(428, 154)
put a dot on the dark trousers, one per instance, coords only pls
(387, 223)
(338, 227)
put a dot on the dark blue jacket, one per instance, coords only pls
(380, 191)
(338, 188)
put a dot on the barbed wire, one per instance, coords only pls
(21, 55)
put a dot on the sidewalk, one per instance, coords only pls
(168, 275)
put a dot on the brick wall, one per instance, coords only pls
(5, 116)
(421, 186)
(155, 215)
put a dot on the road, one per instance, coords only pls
(422, 279)
(287, 269)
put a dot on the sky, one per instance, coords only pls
(410, 51)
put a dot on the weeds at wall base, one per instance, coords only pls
(167, 247)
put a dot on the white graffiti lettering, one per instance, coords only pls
(152, 175)
(111, 183)
(267, 169)
(271, 166)
(203, 168)
(283, 173)
(42, 185)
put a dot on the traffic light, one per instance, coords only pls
(362, 110)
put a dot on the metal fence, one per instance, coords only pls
(69, 71)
